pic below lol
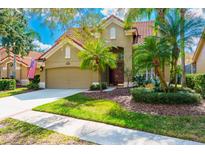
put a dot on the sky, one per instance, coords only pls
(49, 36)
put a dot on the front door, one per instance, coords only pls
(116, 76)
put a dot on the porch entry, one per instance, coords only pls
(116, 76)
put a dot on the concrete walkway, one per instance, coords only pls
(19, 103)
(95, 132)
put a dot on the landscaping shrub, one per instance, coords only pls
(34, 83)
(139, 80)
(190, 80)
(150, 96)
(196, 82)
(7, 84)
(96, 86)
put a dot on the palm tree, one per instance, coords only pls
(137, 14)
(171, 30)
(97, 56)
(151, 54)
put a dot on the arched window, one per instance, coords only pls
(112, 33)
(67, 52)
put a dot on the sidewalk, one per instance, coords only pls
(96, 132)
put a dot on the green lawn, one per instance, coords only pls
(13, 92)
(106, 111)
(18, 132)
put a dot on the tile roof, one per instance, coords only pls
(26, 60)
(144, 29)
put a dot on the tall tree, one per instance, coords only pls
(97, 56)
(15, 35)
(171, 30)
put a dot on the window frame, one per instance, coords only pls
(67, 52)
(112, 33)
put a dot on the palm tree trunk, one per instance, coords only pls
(161, 78)
(161, 18)
(175, 75)
(14, 67)
(100, 72)
(183, 81)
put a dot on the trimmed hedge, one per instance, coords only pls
(34, 83)
(97, 86)
(149, 96)
(7, 84)
(196, 82)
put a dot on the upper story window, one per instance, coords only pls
(113, 33)
(67, 52)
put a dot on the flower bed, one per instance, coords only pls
(124, 98)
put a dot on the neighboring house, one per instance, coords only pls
(199, 57)
(62, 66)
(22, 65)
(188, 62)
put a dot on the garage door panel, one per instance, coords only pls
(68, 78)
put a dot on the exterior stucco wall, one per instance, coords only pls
(121, 41)
(57, 63)
(24, 72)
(4, 70)
(200, 63)
(58, 58)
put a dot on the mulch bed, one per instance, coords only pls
(124, 98)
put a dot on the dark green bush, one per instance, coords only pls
(196, 82)
(97, 86)
(190, 80)
(139, 80)
(150, 96)
(7, 84)
(34, 84)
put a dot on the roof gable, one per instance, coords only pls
(112, 19)
(59, 44)
(26, 60)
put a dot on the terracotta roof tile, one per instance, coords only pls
(25, 60)
(144, 29)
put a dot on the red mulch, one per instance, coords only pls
(123, 97)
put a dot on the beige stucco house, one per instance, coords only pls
(199, 57)
(22, 65)
(61, 65)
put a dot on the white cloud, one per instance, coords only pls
(39, 46)
(114, 11)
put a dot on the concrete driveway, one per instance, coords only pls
(15, 104)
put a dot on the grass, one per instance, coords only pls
(107, 111)
(18, 132)
(13, 92)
